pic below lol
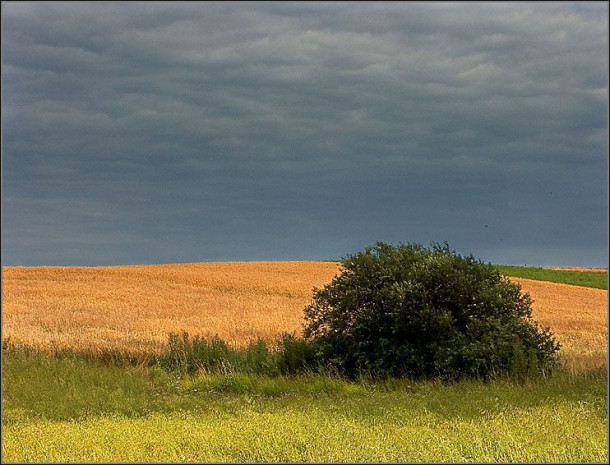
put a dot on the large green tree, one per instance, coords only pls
(408, 310)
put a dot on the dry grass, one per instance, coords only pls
(133, 308)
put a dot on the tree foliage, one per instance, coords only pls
(408, 310)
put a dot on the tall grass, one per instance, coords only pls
(189, 355)
(559, 433)
(70, 410)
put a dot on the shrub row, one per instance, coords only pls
(188, 355)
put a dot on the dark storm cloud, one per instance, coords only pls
(155, 132)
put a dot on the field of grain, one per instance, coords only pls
(577, 315)
(133, 308)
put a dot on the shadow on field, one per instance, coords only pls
(37, 386)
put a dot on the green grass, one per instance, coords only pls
(575, 278)
(75, 410)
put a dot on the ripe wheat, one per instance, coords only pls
(134, 308)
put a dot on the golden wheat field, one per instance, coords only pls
(134, 308)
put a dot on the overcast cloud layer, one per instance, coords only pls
(185, 132)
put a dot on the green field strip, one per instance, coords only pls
(574, 278)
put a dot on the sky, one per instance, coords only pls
(137, 133)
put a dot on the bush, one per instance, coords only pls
(295, 355)
(421, 312)
(188, 355)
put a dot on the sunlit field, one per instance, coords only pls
(134, 308)
(73, 409)
(577, 315)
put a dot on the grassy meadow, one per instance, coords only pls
(70, 410)
(63, 401)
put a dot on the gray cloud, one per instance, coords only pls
(149, 132)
